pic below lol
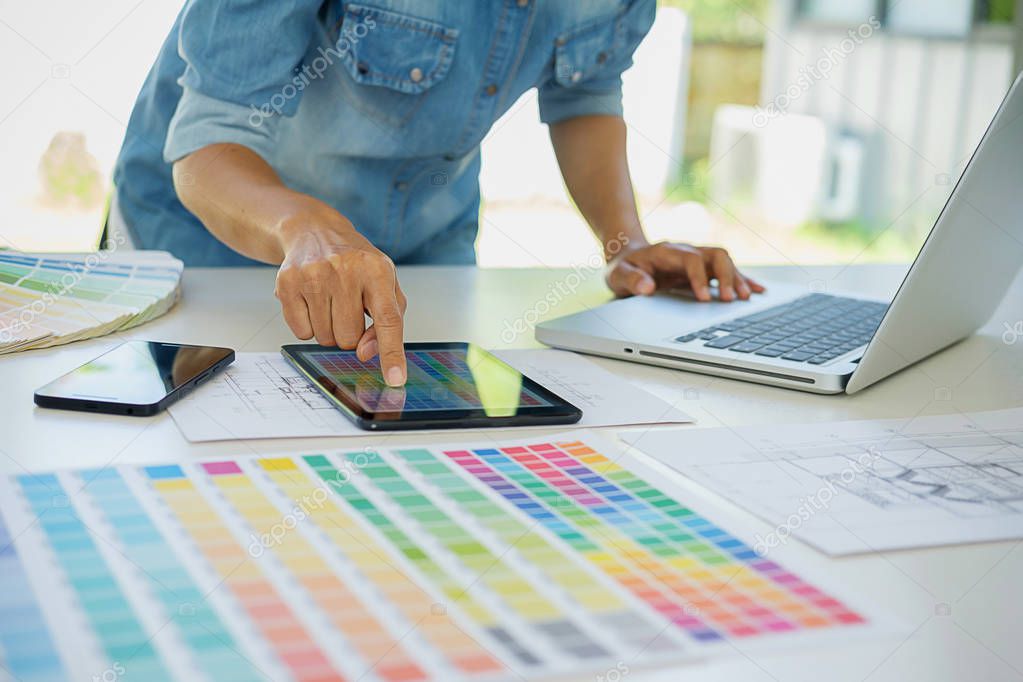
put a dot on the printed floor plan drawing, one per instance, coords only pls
(850, 487)
(908, 477)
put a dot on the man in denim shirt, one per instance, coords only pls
(309, 134)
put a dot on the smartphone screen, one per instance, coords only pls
(136, 373)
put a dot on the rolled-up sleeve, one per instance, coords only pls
(241, 63)
(558, 104)
(576, 89)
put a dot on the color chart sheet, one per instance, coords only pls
(511, 561)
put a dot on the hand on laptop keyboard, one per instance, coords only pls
(644, 270)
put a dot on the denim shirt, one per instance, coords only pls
(377, 108)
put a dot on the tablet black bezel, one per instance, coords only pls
(561, 412)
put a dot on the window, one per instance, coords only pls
(924, 18)
(830, 12)
(939, 18)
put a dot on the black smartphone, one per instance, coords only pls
(139, 378)
(450, 386)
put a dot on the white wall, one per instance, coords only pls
(70, 65)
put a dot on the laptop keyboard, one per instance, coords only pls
(815, 329)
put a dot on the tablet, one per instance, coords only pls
(450, 386)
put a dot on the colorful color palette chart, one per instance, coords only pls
(50, 299)
(514, 561)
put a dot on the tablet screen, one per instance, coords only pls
(441, 380)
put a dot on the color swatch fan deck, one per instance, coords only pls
(512, 561)
(51, 299)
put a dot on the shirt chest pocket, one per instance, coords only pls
(582, 54)
(392, 60)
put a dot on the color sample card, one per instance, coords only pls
(26, 648)
(115, 281)
(48, 299)
(512, 561)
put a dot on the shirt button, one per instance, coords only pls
(416, 74)
(577, 76)
(491, 90)
(523, 3)
(401, 186)
(560, 42)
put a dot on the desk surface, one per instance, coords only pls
(979, 586)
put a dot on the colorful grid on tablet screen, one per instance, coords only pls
(411, 564)
(437, 380)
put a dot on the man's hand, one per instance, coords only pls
(591, 151)
(330, 279)
(330, 276)
(644, 270)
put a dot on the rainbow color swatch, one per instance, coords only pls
(499, 562)
(50, 299)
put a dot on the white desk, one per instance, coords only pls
(982, 585)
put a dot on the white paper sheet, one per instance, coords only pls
(861, 486)
(262, 396)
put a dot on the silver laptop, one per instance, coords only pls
(829, 343)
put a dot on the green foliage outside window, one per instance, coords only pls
(997, 11)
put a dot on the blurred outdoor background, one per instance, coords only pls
(806, 131)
